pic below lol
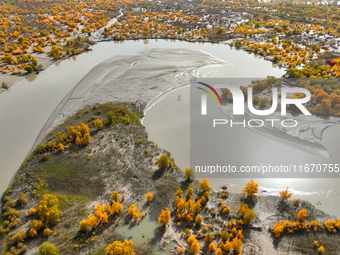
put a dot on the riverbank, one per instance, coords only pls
(118, 158)
(44, 61)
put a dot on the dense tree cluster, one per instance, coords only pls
(290, 227)
(102, 213)
(193, 209)
(120, 248)
(157, 25)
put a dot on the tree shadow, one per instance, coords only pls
(184, 185)
(250, 202)
(282, 206)
(158, 174)
(145, 205)
(158, 234)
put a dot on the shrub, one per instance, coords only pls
(220, 30)
(163, 162)
(83, 226)
(19, 237)
(198, 219)
(22, 199)
(33, 211)
(110, 117)
(28, 68)
(5, 85)
(97, 123)
(47, 232)
(188, 174)
(48, 249)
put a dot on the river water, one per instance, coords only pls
(26, 107)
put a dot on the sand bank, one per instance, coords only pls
(139, 79)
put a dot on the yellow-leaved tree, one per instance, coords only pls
(278, 229)
(188, 174)
(97, 123)
(115, 196)
(321, 249)
(120, 248)
(194, 246)
(83, 226)
(48, 209)
(163, 161)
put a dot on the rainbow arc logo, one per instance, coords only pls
(209, 93)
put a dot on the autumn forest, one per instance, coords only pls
(96, 179)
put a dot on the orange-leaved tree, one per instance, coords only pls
(148, 196)
(250, 190)
(284, 194)
(301, 215)
(164, 217)
(204, 185)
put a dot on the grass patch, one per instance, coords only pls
(65, 201)
(60, 172)
(72, 177)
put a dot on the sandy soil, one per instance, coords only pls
(140, 79)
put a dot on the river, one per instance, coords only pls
(26, 107)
